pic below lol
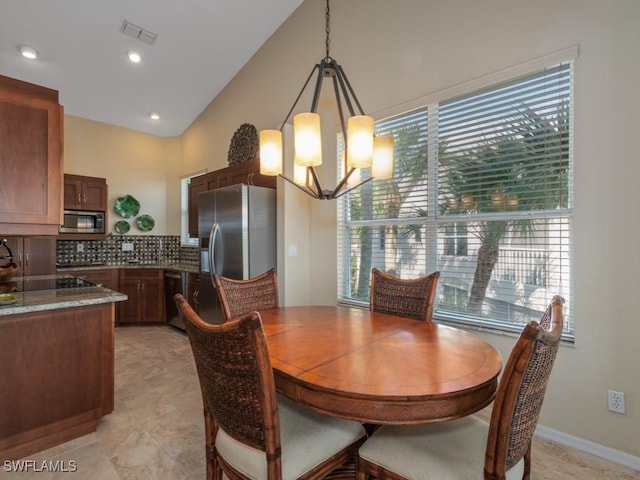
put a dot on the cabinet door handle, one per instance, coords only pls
(84, 199)
(79, 200)
(26, 260)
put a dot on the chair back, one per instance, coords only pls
(520, 393)
(239, 297)
(236, 378)
(412, 298)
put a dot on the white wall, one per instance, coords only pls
(396, 51)
(134, 163)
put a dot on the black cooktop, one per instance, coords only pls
(44, 282)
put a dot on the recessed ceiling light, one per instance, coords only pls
(154, 115)
(28, 52)
(134, 56)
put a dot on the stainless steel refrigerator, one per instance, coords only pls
(237, 234)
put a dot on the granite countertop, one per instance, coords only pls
(29, 302)
(53, 299)
(180, 267)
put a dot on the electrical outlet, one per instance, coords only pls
(80, 247)
(616, 402)
(127, 246)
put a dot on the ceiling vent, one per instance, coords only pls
(140, 33)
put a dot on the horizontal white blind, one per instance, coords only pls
(481, 192)
(506, 148)
(382, 230)
(503, 176)
(405, 195)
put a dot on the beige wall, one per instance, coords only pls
(142, 165)
(397, 51)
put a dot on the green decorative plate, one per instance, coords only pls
(145, 223)
(127, 206)
(122, 227)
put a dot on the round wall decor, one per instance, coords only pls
(127, 206)
(244, 144)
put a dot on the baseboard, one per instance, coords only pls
(593, 448)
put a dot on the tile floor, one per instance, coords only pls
(156, 431)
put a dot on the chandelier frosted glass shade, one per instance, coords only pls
(271, 152)
(382, 167)
(360, 141)
(307, 140)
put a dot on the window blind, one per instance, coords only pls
(385, 227)
(481, 192)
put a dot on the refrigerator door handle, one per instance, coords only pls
(213, 235)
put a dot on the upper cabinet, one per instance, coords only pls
(31, 121)
(85, 193)
(83, 197)
(33, 255)
(246, 172)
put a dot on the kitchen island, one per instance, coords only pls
(56, 361)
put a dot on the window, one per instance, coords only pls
(455, 239)
(185, 239)
(481, 192)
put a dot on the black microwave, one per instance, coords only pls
(79, 221)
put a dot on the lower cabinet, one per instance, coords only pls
(107, 277)
(145, 289)
(57, 371)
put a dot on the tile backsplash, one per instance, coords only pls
(122, 250)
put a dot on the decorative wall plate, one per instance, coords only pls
(145, 223)
(122, 227)
(127, 206)
(244, 144)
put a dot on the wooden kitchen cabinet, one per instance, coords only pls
(85, 193)
(33, 255)
(57, 371)
(247, 173)
(107, 277)
(31, 121)
(145, 289)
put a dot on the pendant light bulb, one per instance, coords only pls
(359, 141)
(271, 152)
(300, 175)
(307, 140)
(382, 167)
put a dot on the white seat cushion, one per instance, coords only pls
(451, 450)
(308, 438)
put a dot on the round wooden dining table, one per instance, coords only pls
(378, 368)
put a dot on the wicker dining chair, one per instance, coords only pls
(250, 432)
(412, 298)
(456, 449)
(239, 297)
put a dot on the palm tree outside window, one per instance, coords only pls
(481, 192)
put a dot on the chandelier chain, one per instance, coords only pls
(327, 29)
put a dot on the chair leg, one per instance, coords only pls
(527, 463)
(360, 469)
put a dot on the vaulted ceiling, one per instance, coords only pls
(83, 47)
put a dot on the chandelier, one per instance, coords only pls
(362, 148)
